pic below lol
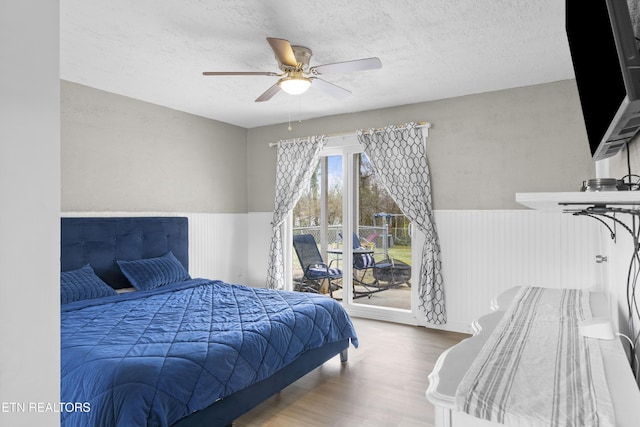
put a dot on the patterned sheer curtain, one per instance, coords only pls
(398, 157)
(296, 161)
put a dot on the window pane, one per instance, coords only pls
(382, 227)
(309, 217)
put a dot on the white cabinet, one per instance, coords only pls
(453, 364)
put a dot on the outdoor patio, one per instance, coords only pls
(395, 297)
(385, 295)
(384, 246)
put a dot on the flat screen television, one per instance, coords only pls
(604, 43)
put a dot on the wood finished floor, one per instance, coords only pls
(383, 384)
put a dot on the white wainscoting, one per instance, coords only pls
(259, 229)
(487, 252)
(218, 246)
(217, 242)
(483, 252)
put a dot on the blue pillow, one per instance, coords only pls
(151, 273)
(80, 284)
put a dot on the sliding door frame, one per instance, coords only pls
(348, 148)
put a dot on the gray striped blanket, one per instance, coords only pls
(536, 369)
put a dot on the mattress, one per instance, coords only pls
(154, 357)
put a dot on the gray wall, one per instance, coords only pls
(121, 154)
(482, 148)
(30, 215)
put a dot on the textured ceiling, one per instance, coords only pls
(156, 51)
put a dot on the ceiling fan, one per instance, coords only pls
(296, 76)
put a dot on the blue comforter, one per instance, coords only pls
(153, 357)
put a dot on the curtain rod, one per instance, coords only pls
(351, 133)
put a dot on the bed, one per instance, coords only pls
(179, 351)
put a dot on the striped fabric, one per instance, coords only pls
(321, 272)
(363, 261)
(536, 369)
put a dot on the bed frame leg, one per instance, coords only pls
(344, 356)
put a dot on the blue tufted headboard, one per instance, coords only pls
(102, 241)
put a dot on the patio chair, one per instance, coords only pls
(315, 270)
(391, 271)
(362, 263)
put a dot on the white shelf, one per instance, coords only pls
(453, 364)
(578, 199)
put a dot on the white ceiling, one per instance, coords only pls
(156, 51)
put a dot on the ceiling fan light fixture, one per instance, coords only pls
(293, 62)
(294, 85)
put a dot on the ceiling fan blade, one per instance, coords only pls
(238, 73)
(269, 93)
(329, 88)
(348, 66)
(284, 52)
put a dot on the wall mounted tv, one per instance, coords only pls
(604, 43)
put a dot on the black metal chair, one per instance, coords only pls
(362, 262)
(391, 271)
(315, 270)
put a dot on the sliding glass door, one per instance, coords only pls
(319, 213)
(345, 207)
(382, 278)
